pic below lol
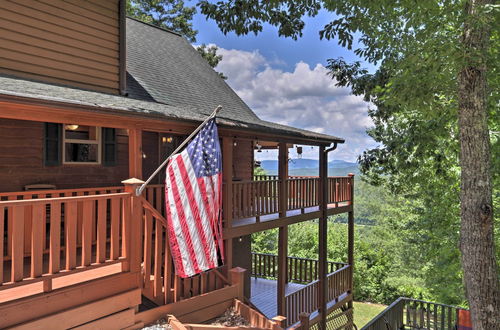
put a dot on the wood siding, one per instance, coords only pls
(69, 42)
(243, 160)
(22, 161)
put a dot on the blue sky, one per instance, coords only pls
(285, 81)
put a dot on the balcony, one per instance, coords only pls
(258, 204)
(301, 293)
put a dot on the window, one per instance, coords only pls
(81, 144)
(78, 144)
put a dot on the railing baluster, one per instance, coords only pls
(87, 232)
(37, 239)
(17, 242)
(102, 208)
(148, 246)
(115, 228)
(70, 229)
(157, 281)
(55, 238)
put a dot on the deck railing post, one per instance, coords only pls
(350, 232)
(133, 227)
(280, 322)
(322, 240)
(237, 277)
(283, 231)
(304, 321)
(227, 193)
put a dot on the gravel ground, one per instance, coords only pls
(231, 319)
(159, 325)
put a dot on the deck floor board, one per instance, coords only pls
(264, 294)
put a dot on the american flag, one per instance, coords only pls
(193, 200)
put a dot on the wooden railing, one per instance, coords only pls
(44, 238)
(299, 270)
(305, 300)
(52, 193)
(255, 198)
(161, 285)
(261, 196)
(410, 313)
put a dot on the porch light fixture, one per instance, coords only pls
(166, 139)
(299, 152)
(258, 146)
(71, 127)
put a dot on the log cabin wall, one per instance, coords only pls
(22, 161)
(68, 42)
(243, 160)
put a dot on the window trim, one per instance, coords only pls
(98, 142)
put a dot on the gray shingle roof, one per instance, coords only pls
(173, 72)
(166, 78)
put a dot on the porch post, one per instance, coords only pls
(227, 194)
(132, 228)
(323, 226)
(350, 231)
(283, 231)
(135, 153)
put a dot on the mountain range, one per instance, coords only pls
(307, 167)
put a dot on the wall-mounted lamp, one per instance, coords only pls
(166, 139)
(71, 127)
(143, 155)
(299, 151)
(235, 143)
(258, 146)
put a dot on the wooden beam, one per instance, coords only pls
(283, 231)
(323, 227)
(279, 222)
(135, 153)
(227, 194)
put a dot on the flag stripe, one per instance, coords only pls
(182, 221)
(178, 243)
(197, 209)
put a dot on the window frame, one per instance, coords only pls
(97, 142)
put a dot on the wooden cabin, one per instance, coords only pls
(91, 102)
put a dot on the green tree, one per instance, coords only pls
(436, 60)
(168, 14)
(173, 15)
(209, 53)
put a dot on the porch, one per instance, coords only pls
(55, 240)
(301, 288)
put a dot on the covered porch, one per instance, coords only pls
(93, 229)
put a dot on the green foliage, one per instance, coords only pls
(168, 14)
(417, 46)
(209, 53)
(257, 170)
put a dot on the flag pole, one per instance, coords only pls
(140, 189)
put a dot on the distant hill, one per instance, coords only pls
(310, 167)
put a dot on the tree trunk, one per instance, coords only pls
(476, 241)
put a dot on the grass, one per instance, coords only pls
(364, 312)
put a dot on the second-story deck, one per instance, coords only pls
(257, 204)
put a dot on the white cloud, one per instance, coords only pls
(305, 98)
